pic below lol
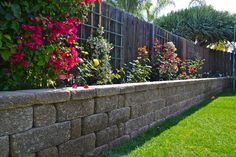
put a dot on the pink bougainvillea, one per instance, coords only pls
(86, 86)
(92, 1)
(45, 46)
(44, 31)
(35, 39)
(75, 86)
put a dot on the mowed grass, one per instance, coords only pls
(206, 130)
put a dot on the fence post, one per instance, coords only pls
(100, 13)
(92, 21)
(184, 49)
(152, 42)
(234, 58)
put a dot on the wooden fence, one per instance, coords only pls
(127, 33)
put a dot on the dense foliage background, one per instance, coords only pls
(202, 24)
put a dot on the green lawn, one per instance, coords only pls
(208, 130)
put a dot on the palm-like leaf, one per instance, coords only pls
(197, 2)
(136, 7)
(161, 4)
(127, 5)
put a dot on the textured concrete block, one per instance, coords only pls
(76, 128)
(77, 147)
(114, 105)
(79, 94)
(50, 152)
(136, 98)
(97, 151)
(49, 96)
(137, 123)
(134, 124)
(149, 118)
(29, 155)
(161, 114)
(138, 110)
(106, 104)
(16, 120)
(154, 124)
(119, 115)
(107, 135)
(155, 105)
(127, 88)
(10, 100)
(153, 95)
(44, 115)
(37, 139)
(121, 101)
(4, 146)
(94, 122)
(170, 100)
(74, 109)
(121, 129)
(107, 90)
(168, 91)
(180, 89)
(119, 141)
(143, 86)
(139, 131)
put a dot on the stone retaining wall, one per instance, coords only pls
(84, 122)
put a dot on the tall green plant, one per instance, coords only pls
(153, 13)
(96, 67)
(132, 6)
(138, 70)
(141, 7)
(201, 24)
(197, 2)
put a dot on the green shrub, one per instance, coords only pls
(166, 63)
(138, 70)
(201, 24)
(96, 67)
(191, 69)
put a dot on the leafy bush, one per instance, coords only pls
(38, 41)
(191, 69)
(138, 70)
(96, 67)
(166, 63)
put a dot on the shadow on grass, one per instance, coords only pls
(138, 141)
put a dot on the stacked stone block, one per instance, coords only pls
(85, 122)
